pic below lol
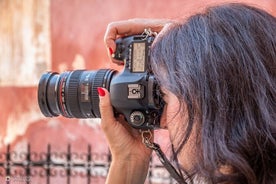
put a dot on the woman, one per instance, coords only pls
(217, 71)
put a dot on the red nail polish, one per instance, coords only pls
(101, 92)
(110, 51)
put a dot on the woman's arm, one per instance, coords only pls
(128, 172)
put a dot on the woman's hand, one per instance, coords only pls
(130, 157)
(130, 27)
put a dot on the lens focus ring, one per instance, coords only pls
(72, 98)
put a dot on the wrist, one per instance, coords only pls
(138, 154)
(131, 157)
(132, 171)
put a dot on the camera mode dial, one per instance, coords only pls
(137, 118)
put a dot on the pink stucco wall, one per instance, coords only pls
(76, 40)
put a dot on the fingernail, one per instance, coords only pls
(110, 51)
(101, 92)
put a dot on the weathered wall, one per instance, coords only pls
(40, 35)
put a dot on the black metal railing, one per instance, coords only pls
(69, 167)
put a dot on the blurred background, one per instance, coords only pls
(58, 35)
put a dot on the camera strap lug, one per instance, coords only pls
(148, 32)
(147, 140)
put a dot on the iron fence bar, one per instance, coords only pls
(8, 158)
(68, 171)
(88, 166)
(28, 170)
(48, 164)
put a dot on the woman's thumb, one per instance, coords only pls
(106, 110)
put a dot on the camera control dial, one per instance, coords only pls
(137, 118)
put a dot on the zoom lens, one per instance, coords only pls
(72, 94)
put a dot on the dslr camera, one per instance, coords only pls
(134, 91)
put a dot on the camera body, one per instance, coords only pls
(134, 91)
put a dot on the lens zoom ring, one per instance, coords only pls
(72, 97)
(98, 82)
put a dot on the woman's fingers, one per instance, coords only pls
(129, 27)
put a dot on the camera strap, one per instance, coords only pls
(146, 138)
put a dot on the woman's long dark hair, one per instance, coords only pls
(222, 65)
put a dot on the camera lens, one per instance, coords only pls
(72, 94)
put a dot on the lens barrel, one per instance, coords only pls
(72, 94)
